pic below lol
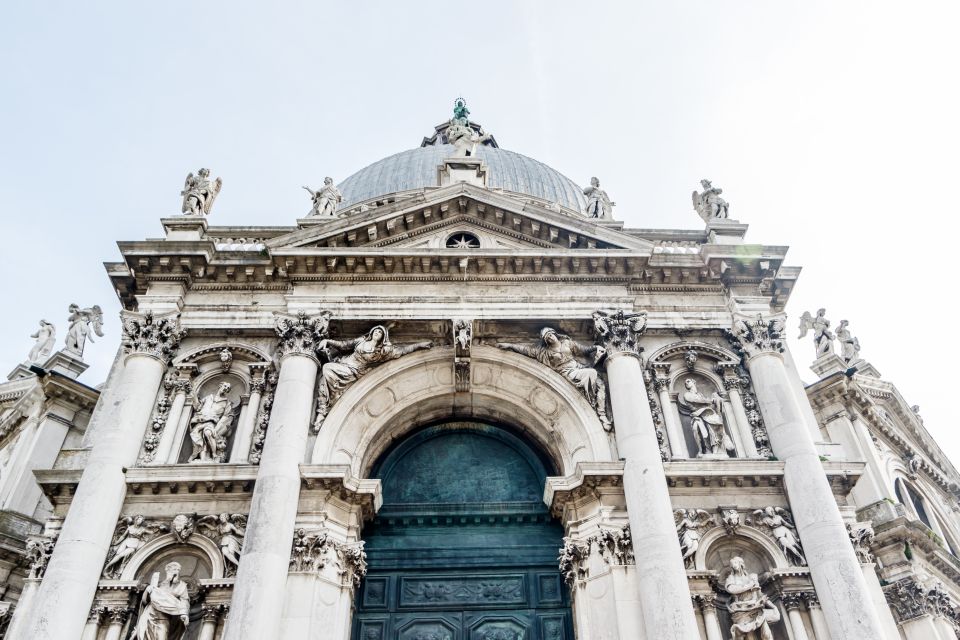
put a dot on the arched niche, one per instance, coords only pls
(206, 555)
(418, 389)
(759, 552)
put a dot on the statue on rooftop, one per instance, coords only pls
(325, 199)
(199, 192)
(81, 323)
(598, 202)
(709, 204)
(46, 336)
(849, 345)
(822, 336)
(461, 135)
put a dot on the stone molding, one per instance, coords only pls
(157, 336)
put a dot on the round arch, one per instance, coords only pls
(506, 388)
(196, 543)
(749, 538)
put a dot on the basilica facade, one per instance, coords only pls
(458, 400)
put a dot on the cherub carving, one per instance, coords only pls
(822, 336)
(46, 336)
(228, 530)
(182, 526)
(199, 192)
(690, 523)
(80, 322)
(131, 534)
(783, 530)
(211, 425)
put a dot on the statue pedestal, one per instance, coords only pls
(66, 363)
(185, 228)
(726, 231)
(21, 371)
(827, 365)
(313, 221)
(471, 170)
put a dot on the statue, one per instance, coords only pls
(78, 330)
(362, 354)
(709, 204)
(131, 534)
(211, 425)
(598, 202)
(165, 607)
(751, 612)
(229, 529)
(849, 345)
(199, 192)
(461, 135)
(705, 420)
(783, 531)
(689, 522)
(559, 352)
(822, 336)
(182, 526)
(46, 336)
(325, 199)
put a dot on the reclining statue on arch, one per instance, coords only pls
(559, 352)
(360, 355)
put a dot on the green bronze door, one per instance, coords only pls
(463, 547)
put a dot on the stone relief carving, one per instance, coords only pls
(861, 537)
(314, 551)
(691, 524)
(228, 530)
(301, 334)
(267, 384)
(618, 331)
(615, 545)
(80, 324)
(462, 341)
(131, 534)
(730, 519)
(559, 352)
(226, 359)
(913, 462)
(39, 550)
(706, 421)
(754, 417)
(598, 202)
(171, 383)
(573, 561)
(822, 336)
(709, 205)
(325, 199)
(353, 563)
(156, 336)
(909, 599)
(199, 192)
(781, 527)
(849, 345)
(357, 357)
(164, 607)
(751, 612)
(183, 526)
(45, 337)
(211, 425)
(657, 414)
(758, 335)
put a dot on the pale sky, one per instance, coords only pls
(833, 127)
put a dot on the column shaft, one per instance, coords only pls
(678, 446)
(257, 603)
(833, 565)
(244, 437)
(819, 623)
(664, 595)
(742, 422)
(162, 454)
(796, 624)
(712, 624)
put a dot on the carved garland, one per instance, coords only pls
(266, 385)
(656, 412)
(160, 414)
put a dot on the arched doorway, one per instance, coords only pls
(463, 547)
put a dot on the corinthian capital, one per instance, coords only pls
(617, 331)
(155, 336)
(301, 334)
(759, 335)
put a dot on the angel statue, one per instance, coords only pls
(229, 529)
(598, 202)
(705, 420)
(80, 321)
(362, 354)
(559, 352)
(164, 607)
(689, 522)
(783, 531)
(131, 534)
(199, 192)
(325, 199)
(211, 425)
(849, 345)
(822, 336)
(46, 336)
(751, 612)
(709, 204)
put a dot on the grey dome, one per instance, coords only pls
(417, 169)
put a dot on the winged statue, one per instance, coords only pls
(81, 322)
(709, 204)
(199, 193)
(131, 534)
(228, 530)
(822, 336)
(690, 523)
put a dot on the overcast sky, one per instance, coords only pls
(833, 127)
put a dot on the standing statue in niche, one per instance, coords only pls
(705, 420)
(46, 336)
(751, 612)
(822, 336)
(598, 202)
(783, 531)
(849, 345)
(165, 607)
(326, 199)
(229, 531)
(362, 354)
(80, 321)
(199, 192)
(709, 204)
(211, 425)
(559, 352)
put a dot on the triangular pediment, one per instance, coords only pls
(496, 220)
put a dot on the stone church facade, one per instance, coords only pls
(460, 401)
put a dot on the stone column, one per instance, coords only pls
(63, 601)
(791, 602)
(708, 607)
(258, 594)
(92, 628)
(664, 595)
(211, 613)
(678, 446)
(168, 438)
(244, 437)
(118, 618)
(816, 616)
(732, 383)
(833, 565)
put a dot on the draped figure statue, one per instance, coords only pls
(165, 607)
(751, 612)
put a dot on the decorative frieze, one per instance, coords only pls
(155, 336)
